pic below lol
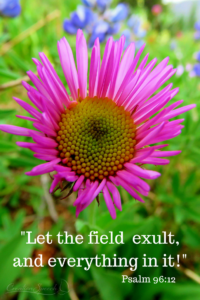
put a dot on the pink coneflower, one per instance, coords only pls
(100, 138)
(156, 9)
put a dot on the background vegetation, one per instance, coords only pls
(173, 204)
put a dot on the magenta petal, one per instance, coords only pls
(147, 139)
(155, 161)
(125, 185)
(179, 111)
(54, 183)
(59, 168)
(94, 72)
(62, 91)
(44, 168)
(44, 141)
(27, 118)
(165, 153)
(140, 155)
(87, 195)
(104, 66)
(15, 130)
(119, 46)
(132, 179)
(45, 157)
(116, 195)
(28, 108)
(39, 85)
(126, 61)
(109, 202)
(68, 66)
(82, 62)
(69, 176)
(138, 171)
(45, 129)
(78, 183)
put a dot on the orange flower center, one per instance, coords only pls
(96, 138)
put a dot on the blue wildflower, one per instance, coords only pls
(135, 32)
(127, 34)
(119, 13)
(135, 24)
(197, 25)
(103, 4)
(173, 45)
(197, 35)
(96, 19)
(100, 30)
(198, 56)
(196, 69)
(10, 8)
(113, 28)
(69, 27)
(80, 18)
(89, 3)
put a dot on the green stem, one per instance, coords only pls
(92, 209)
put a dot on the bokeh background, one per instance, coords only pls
(173, 205)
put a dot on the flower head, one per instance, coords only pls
(196, 70)
(173, 45)
(197, 56)
(10, 8)
(100, 137)
(97, 19)
(197, 35)
(197, 32)
(156, 9)
(197, 25)
(83, 17)
(180, 70)
(135, 32)
(119, 13)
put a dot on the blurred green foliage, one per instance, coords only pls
(173, 204)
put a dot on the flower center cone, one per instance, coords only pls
(96, 138)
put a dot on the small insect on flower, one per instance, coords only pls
(98, 139)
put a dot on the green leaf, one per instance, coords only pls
(191, 236)
(109, 284)
(7, 73)
(185, 291)
(7, 146)
(16, 247)
(6, 113)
